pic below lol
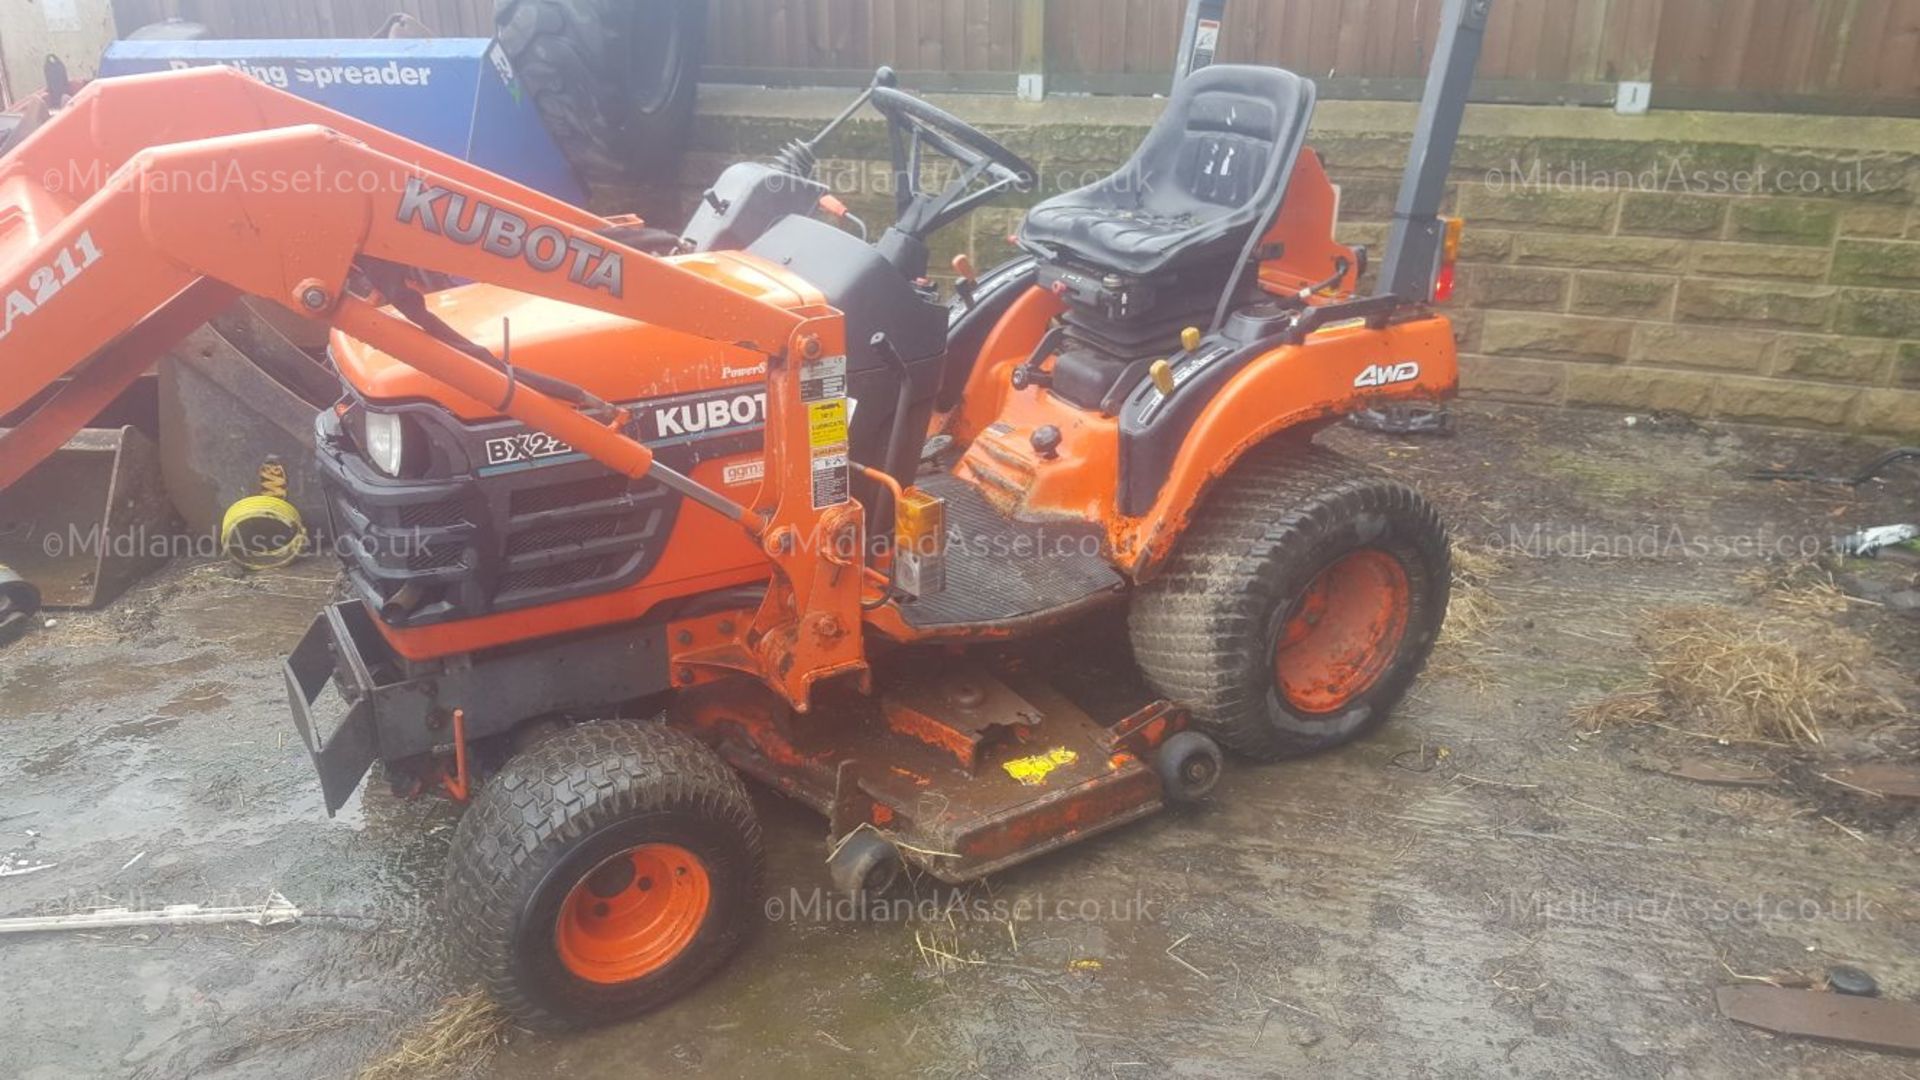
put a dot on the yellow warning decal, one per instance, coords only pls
(827, 423)
(1034, 770)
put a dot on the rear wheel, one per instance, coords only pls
(603, 872)
(614, 80)
(1301, 603)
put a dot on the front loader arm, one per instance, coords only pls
(224, 184)
(111, 120)
(153, 230)
(121, 277)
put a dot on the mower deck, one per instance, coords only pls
(968, 770)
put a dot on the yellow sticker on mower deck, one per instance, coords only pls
(1035, 770)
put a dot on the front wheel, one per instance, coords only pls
(603, 872)
(1300, 604)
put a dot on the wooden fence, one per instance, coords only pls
(309, 18)
(1846, 56)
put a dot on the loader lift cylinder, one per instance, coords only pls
(1413, 249)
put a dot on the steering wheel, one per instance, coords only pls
(913, 123)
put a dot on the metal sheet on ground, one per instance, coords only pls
(90, 520)
(1815, 1014)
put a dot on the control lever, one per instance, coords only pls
(832, 206)
(1340, 268)
(1030, 373)
(798, 159)
(966, 283)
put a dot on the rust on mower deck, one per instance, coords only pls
(1000, 776)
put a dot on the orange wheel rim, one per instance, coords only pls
(633, 914)
(1343, 633)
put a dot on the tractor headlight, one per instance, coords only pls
(385, 441)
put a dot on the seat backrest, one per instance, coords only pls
(1212, 170)
(1225, 146)
(1226, 135)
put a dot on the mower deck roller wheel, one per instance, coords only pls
(1189, 766)
(1299, 606)
(865, 864)
(614, 79)
(603, 872)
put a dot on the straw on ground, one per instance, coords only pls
(1747, 676)
(465, 1031)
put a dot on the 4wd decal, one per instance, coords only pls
(44, 282)
(506, 234)
(1387, 375)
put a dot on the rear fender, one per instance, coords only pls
(1173, 450)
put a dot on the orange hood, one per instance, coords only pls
(614, 357)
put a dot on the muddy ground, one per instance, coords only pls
(1533, 901)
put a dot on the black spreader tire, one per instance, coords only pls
(1204, 631)
(567, 804)
(614, 80)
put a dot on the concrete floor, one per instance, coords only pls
(1533, 903)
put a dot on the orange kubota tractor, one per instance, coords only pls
(629, 514)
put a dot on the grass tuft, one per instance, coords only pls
(1472, 614)
(1743, 675)
(463, 1033)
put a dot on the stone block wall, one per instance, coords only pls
(1744, 267)
(1741, 306)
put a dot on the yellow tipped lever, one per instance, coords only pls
(1162, 375)
(1190, 338)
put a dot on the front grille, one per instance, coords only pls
(481, 545)
(435, 558)
(433, 515)
(592, 489)
(560, 575)
(566, 534)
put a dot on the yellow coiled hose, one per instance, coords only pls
(264, 531)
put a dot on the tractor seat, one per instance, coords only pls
(1212, 170)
